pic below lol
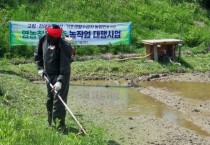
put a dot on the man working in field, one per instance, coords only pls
(52, 57)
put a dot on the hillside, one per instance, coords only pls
(151, 19)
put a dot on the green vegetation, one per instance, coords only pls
(22, 119)
(185, 19)
(105, 69)
(23, 115)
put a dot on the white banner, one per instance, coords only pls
(28, 33)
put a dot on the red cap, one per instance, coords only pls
(54, 32)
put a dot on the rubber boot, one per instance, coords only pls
(49, 118)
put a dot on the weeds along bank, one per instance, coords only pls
(23, 116)
(111, 69)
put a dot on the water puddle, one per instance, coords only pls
(192, 90)
(134, 103)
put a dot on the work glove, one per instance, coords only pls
(57, 86)
(41, 73)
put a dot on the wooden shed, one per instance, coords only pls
(155, 49)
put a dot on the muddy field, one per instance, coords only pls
(149, 129)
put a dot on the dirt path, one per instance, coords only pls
(143, 130)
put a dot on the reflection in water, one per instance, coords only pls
(193, 90)
(98, 95)
(134, 102)
(169, 115)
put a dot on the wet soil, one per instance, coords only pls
(150, 129)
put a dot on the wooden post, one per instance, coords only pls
(155, 52)
(174, 49)
(180, 45)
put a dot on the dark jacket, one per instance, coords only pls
(54, 60)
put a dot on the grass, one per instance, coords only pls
(23, 117)
(22, 129)
(106, 69)
(134, 68)
(150, 20)
(22, 107)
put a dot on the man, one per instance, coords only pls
(52, 57)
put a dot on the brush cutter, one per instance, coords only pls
(82, 129)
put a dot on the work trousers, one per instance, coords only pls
(55, 108)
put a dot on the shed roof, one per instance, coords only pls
(162, 41)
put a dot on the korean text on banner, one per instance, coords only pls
(28, 33)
